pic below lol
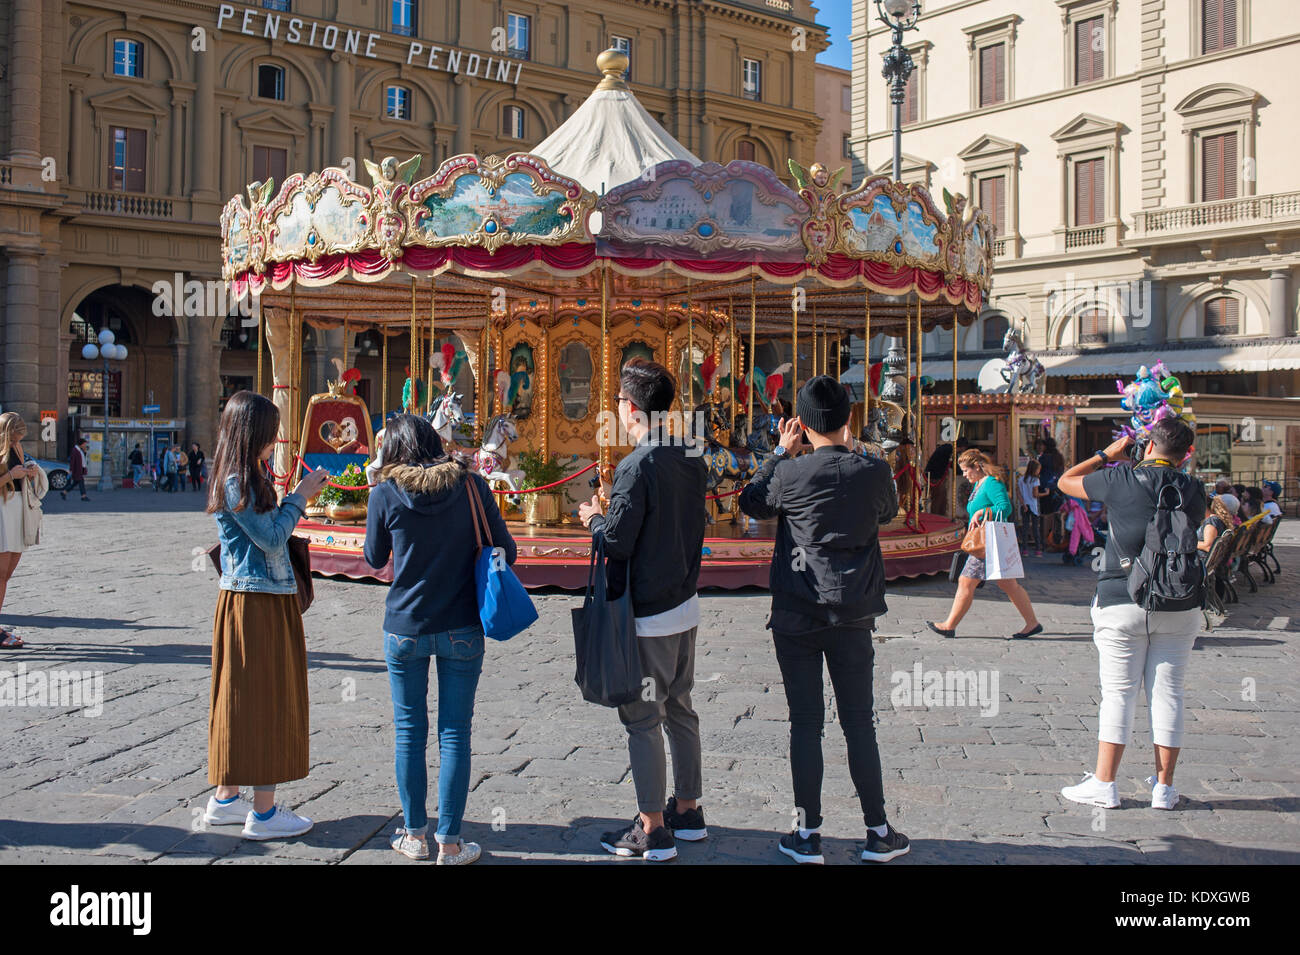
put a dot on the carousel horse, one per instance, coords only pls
(448, 417)
(1023, 373)
(490, 459)
(724, 463)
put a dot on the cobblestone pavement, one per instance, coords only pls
(118, 589)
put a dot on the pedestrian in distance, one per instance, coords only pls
(257, 716)
(1030, 493)
(989, 501)
(655, 524)
(828, 587)
(182, 466)
(22, 484)
(172, 463)
(1137, 648)
(77, 462)
(195, 464)
(137, 466)
(421, 514)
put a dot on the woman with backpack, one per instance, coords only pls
(1136, 646)
(990, 501)
(421, 514)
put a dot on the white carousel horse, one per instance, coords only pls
(448, 418)
(1023, 373)
(490, 459)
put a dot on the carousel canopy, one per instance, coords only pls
(610, 139)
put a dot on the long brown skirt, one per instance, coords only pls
(257, 718)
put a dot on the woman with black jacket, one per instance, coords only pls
(420, 515)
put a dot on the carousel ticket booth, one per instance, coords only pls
(515, 268)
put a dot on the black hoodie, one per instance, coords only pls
(421, 515)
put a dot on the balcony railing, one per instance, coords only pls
(1248, 210)
(6, 175)
(1081, 237)
(128, 204)
(1000, 248)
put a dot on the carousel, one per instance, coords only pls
(506, 292)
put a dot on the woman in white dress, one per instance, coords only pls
(15, 469)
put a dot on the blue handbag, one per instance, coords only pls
(504, 607)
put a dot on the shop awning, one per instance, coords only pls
(1124, 361)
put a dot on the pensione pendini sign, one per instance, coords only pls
(273, 25)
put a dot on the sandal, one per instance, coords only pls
(10, 640)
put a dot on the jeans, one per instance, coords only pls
(1032, 522)
(670, 663)
(460, 661)
(849, 658)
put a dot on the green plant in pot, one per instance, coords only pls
(542, 507)
(346, 505)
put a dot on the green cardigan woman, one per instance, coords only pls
(990, 501)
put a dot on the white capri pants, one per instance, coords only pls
(1129, 659)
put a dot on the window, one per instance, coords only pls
(282, 5)
(745, 150)
(1218, 25)
(1221, 316)
(403, 17)
(751, 79)
(1089, 191)
(518, 32)
(1094, 327)
(398, 103)
(993, 74)
(846, 148)
(911, 99)
(126, 165)
(995, 329)
(270, 81)
(1090, 49)
(846, 99)
(126, 58)
(993, 200)
(512, 122)
(270, 163)
(623, 45)
(1219, 167)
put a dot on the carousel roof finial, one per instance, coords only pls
(613, 63)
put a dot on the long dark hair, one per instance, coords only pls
(249, 423)
(410, 439)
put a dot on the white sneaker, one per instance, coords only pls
(469, 852)
(284, 824)
(1091, 791)
(1162, 796)
(228, 814)
(409, 846)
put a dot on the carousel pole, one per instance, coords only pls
(690, 352)
(604, 454)
(261, 325)
(543, 376)
(433, 341)
(293, 370)
(383, 375)
(794, 352)
(815, 354)
(731, 342)
(346, 336)
(952, 489)
(920, 407)
(866, 358)
(753, 350)
(413, 357)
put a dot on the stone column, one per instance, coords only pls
(202, 362)
(1153, 307)
(25, 84)
(176, 185)
(1280, 323)
(706, 138)
(72, 173)
(19, 390)
(230, 164)
(463, 143)
(341, 128)
(206, 155)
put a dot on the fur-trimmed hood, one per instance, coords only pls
(425, 488)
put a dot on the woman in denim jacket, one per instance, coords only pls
(257, 718)
(420, 515)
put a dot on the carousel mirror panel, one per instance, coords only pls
(574, 371)
(522, 370)
(635, 349)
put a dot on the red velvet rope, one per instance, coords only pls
(547, 487)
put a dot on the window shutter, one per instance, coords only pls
(1088, 62)
(1098, 190)
(1082, 193)
(910, 105)
(993, 200)
(136, 144)
(1222, 316)
(278, 166)
(1229, 171)
(1228, 23)
(1219, 167)
(1211, 36)
(992, 74)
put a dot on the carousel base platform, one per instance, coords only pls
(735, 555)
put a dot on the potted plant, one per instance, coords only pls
(346, 507)
(542, 507)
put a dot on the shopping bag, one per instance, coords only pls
(604, 639)
(1001, 551)
(504, 607)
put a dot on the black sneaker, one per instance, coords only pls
(658, 846)
(883, 848)
(804, 851)
(688, 825)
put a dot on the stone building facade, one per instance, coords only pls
(124, 127)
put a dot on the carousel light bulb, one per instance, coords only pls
(106, 336)
(89, 351)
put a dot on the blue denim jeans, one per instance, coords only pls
(460, 661)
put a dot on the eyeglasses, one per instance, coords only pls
(624, 398)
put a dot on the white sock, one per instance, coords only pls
(806, 833)
(881, 831)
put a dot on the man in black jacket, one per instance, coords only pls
(656, 524)
(828, 586)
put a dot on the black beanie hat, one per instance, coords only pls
(823, 405)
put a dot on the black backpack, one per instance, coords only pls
(1168, 574)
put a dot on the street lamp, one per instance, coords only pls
(900, 16)
(108, 351)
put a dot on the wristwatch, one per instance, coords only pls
(1105, 459)
(779, 451)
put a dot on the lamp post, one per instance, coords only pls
(108, 351)
(900, 16)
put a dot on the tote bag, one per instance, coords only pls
(605, 640)
(1001, 552)
(504, 607)
(973, 542)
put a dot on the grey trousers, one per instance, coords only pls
(670, 663)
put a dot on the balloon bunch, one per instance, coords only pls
(1153, 395)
